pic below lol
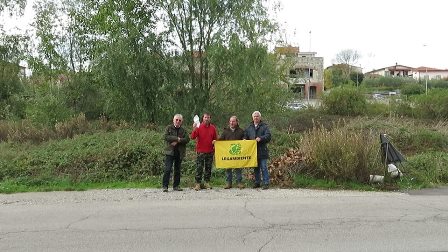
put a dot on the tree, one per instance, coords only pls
(208, 48)
(348, 57)
(51, 50)
(202, 28)
(356, 77)
(251, 74)
(336, 76)
(328, 79)
(127, 57)
(12, 50)
(13, 6)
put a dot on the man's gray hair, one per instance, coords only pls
(178, 116)
(256, 113)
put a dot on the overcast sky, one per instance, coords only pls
(384, 32)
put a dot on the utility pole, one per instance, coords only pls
(426, 81)
(426, 75)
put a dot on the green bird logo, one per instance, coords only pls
(235, 149)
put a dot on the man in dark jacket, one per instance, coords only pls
(233, 132)
(176, 139)
(259, 131)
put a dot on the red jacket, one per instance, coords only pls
(204, 136)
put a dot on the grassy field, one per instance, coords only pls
(127, 157)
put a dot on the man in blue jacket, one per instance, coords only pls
(259, 131)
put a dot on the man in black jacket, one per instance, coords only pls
(233, 132)
(259, 131)
(176, 139)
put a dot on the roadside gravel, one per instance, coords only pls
(122, 195)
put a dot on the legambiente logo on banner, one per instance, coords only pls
(235, 149)
(236, 154)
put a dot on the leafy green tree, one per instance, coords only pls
(337, 75)
(328, 79)
(198, 27)
(51, 51)
(83, 94)
(47, 106)
(12, 49)
(356, 78)
(252, 74)
(128, 58)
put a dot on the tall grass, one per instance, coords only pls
(341, 154)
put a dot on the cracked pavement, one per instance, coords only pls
(223, 220)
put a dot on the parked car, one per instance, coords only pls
(378, 96)
(296, 105)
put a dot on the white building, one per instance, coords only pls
(419, 73)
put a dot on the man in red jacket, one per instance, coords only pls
(205, 136)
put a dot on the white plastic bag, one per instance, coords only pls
(393, 170)
(196, 120)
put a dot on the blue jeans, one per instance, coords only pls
(238, 175)
(263, 166)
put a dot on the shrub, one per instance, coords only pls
(427, 168)
(48, 109)
(74, 126)
(409, 136)
(345, 101)
(282, 141)
(388, 82)
(26, 131)
(341, 154)
(402, 108)
(12, 108)
(434, 105)
(412, 89)
(102, 157)
(377, 109)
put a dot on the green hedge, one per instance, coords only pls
(127, 155)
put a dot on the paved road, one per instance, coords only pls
(223, 220)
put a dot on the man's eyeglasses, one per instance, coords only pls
(178, 120)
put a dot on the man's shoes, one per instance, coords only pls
(228, 186)
(240, 186)
(256, 185)
(197, 187)
(207, 186)
(178, 189)
(265, 187)
(165, 189)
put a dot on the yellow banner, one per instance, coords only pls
(236, 154)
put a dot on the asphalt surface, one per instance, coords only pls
(224, 220)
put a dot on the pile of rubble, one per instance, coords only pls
(282, 168)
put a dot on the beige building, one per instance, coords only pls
(305, 74)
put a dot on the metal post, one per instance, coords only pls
(426, 81)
